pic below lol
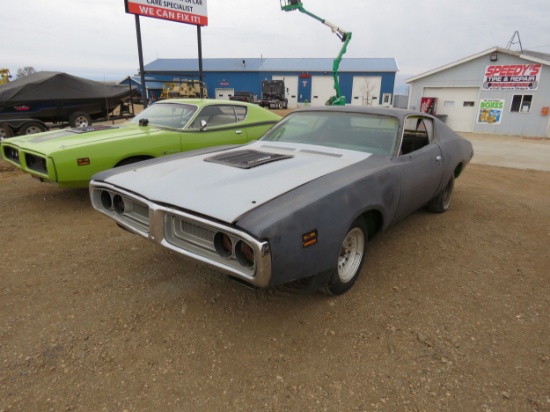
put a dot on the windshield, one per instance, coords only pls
(167, 114)
(353, 131)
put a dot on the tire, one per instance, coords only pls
(350, 259)
(5, 132)
(31, 128)
(440, 203)
(80, 119)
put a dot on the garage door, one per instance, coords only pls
(322, 89)
(291, 87)
(459, 104)
(366, 90)
(224, 94)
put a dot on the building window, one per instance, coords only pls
(448, 103)
(521, 103)
(469, 104)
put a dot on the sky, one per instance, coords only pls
(96, 39)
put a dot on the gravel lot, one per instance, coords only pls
(451, 313)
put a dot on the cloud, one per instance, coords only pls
(98, 39)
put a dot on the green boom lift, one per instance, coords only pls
(344, 36)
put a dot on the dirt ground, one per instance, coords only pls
(451, 313)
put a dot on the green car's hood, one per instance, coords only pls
(49, 142)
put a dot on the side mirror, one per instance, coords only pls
(203, 125)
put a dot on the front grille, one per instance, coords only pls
(189, 235)
(12, 154)
(141, 210)
(36, 163)
(197, 231)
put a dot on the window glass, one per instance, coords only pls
(219, 115)
(521, 103)
(417, 133)
(167, 114)
(469, 104)
(240, 111)
(526, 103)
(353, 131)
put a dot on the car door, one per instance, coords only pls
(421, 164)
(223, 124)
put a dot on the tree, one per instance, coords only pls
(25, 71)
(368, 89)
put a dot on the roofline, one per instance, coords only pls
(328, 60)
(475, 56)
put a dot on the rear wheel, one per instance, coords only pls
(350, 259)
(80, 119)
(441, 202)
(32, 128)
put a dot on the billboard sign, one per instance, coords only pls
(182, 11)
(512, 77)
(490, 111)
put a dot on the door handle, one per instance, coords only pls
(438, 158)
(238, 131)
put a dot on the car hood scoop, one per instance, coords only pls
(95, 128)
(246, 159)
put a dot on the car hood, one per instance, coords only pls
(49, 142)
(210, 184)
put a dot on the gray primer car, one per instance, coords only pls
(299, 203)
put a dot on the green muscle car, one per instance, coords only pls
(70, 157)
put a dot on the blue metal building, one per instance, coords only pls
(308, 81)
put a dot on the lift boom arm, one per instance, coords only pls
(344, 36)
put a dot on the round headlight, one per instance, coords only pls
(244, 254)
(106, 200)
(223, 245)
(118, 203)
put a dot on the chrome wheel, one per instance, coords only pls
(351, 255)
(350, 259)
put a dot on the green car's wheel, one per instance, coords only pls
(350, 259)
(80, 119)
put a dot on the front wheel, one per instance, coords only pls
(350, 259)
(441, 202)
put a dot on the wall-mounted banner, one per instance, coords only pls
(183, 11)
(512, 77)
(490, 111)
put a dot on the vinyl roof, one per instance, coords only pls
(272, 65)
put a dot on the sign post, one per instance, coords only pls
(182, 11)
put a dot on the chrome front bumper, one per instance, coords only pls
(187, 234)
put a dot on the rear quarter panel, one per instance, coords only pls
(456, 150)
